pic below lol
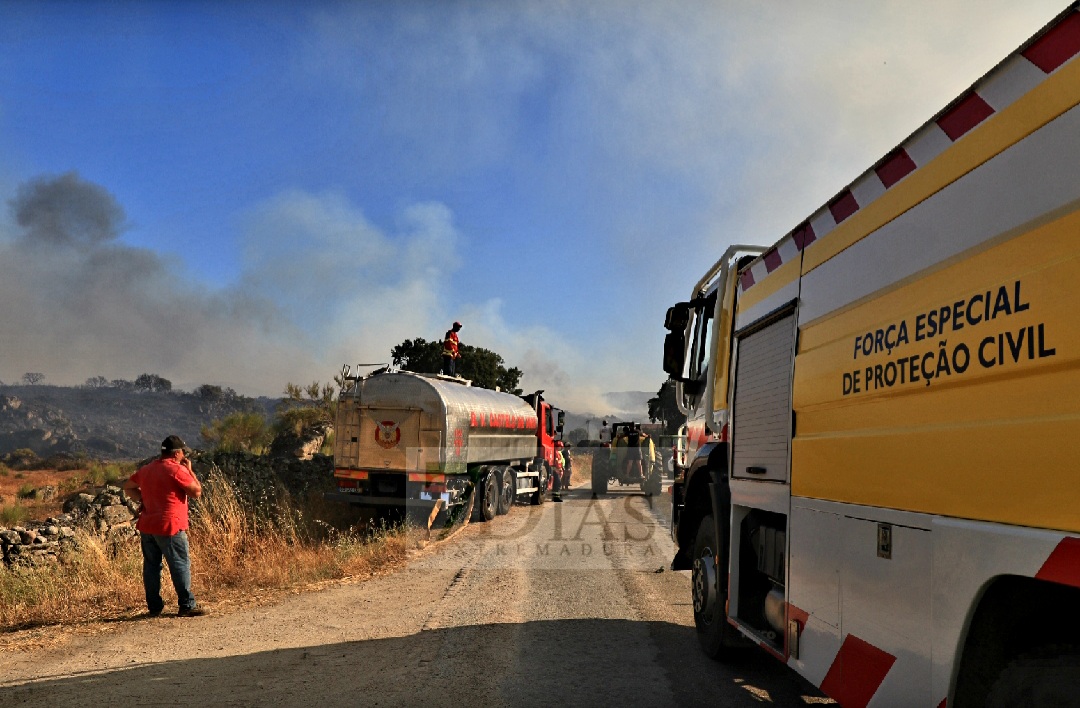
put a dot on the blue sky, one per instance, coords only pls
(250, 193)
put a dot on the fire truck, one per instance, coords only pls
(426, 442)
(882, 487)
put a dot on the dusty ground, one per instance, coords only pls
(566, 604)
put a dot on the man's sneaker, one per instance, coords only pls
(193, 612)
(153, 613)
(556, 498)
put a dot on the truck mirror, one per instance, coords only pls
(562, 421)
(677, 317)
(675, 353)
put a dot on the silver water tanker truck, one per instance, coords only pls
(425, 442)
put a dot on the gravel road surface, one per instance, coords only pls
(565, 604)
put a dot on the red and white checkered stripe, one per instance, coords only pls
(1017, 75)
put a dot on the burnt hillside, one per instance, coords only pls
(108, 423)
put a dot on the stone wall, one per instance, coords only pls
(261, 483)
(106, 513)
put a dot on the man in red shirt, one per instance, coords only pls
(162, 488)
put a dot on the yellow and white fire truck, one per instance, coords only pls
(883, 480)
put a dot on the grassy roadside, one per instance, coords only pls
(239, 550)
(236, 552)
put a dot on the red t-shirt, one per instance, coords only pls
(164, 500)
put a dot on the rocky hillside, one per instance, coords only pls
(108, 423)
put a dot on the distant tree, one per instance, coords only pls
(122, 384)
(576, 435)
(97, 382)
(32, 377)
(664, 409)
(207, 392)
(418, 355)
(238, 432)
(483, 367)
(153, 383)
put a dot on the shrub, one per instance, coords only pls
(23, 458)
(297, 420)
(14, 514)
(72, 484)
(26, 491)
(101, 473)
(304, 407)
(238, 432)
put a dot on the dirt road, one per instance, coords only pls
(565, 604)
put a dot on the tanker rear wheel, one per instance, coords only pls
(507, 489)
(486, 505)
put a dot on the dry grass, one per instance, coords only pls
(237, 553)
(16, 506)
(98, 582)
(580, 466)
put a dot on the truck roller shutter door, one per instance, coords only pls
(761, 426)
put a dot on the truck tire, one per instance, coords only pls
(540, 494)
(599, 480)
(1049, 676)
(654, 484)
(507, 489)
(713, 631)
(486, 505)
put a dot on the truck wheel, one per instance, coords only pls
(654, 485)
(1049, 676)
(486, 505)
(507, 489)
(540, 494)
(707, 579)
(599, 480)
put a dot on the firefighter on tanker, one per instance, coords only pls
(451, 350)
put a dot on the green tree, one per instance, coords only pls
(483, 367)
(418, 355)
(664, 409)
(152, 382)
(209, 392)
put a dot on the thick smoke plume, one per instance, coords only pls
(79, 303)
(66, 211)
(318, 286)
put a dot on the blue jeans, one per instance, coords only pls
(174, 549)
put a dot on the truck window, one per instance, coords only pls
(703, 321)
